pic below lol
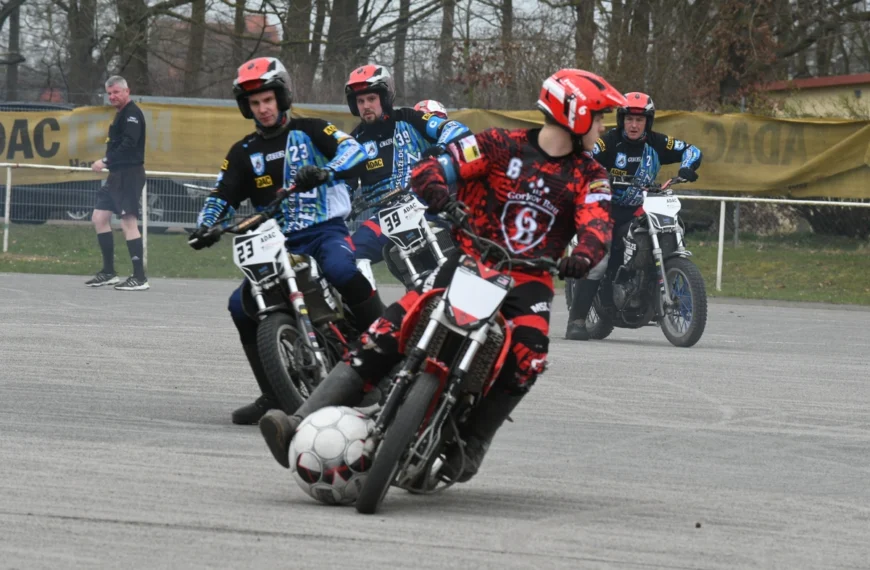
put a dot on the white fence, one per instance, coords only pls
(173, 200)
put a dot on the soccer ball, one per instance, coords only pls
(326, 454)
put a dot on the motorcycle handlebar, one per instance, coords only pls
(360, 205)
(652, 187)
(251, 221)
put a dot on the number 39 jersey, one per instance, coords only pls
(528, 201)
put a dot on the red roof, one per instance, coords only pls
(813, 82)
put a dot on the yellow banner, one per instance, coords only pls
(741, 152)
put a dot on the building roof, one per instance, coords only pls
(816, 82)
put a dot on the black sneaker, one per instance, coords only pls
(576, 331)
(133, 284)
(102, 278)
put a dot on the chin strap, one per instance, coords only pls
(275, 130)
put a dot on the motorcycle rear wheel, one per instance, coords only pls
(395, 444)
(598, 324)
(277, 340)
(685, 325)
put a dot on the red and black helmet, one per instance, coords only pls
(370, 79)
(431, 106)
(258, 75)
(570, 96)
(638, 104)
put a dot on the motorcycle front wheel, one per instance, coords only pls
(684, 324)
(278, 343)
(396, 440)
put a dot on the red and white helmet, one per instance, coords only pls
(431, 106)
(570, 96)
(638, 104)
(370, 79)
(258, 75)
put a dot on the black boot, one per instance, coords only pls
(368, 311)
(342, 387)
(482, 425)
(251, 414)
(584, 294)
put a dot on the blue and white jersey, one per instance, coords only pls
(319, 143)
(394, 145)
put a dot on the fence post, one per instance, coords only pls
(7, 209)
(721, 246)
(736, 224)
(145, 226)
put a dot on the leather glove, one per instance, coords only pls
(688, 174)
(574, 267)
(310, 176)
(436, 196)
(199, 240)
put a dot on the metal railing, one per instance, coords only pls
(174, 199)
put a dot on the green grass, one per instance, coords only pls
(791, 268)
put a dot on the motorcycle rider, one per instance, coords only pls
(631, 149)
(314, 155)
(394, 140)
(530, 190)
(432, 106)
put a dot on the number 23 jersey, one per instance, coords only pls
(527, 200)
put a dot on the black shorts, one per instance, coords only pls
(122, 191)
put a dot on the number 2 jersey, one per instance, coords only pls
(256, 168)
(641, 159)
(524, 199)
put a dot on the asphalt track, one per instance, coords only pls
(116, 449)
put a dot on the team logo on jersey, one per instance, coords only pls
(524, 225)
(371, 149)
(621, 160)
(258, 163)
(679, 145)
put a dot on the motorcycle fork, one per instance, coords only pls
(664, 303)
(432, 243)
(297, 301)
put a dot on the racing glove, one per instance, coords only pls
(688, 174)
(310, 176)
(199, 240)
(574, 267)
(436, 196)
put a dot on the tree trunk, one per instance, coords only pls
(399, 53)
(14, 53)
(342, 43)
(294, 54)
(584, 33)
(239, 30)
(507, 52)
(133, 44)
(193, 65)
(615, 34)
(445, 48)
(82, 78)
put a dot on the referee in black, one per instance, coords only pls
(125, 159)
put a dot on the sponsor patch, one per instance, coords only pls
(670, 143)
(470, 150)
(621, 160)
(376, 163)
(274, 156)
(330, 129)
(679, 145)
(263, 181)
(225, 164)
(258, 163)
(600, 144)
(599, 185)
(427, 116)
(618, 172)
(371, 149)
(132, 120)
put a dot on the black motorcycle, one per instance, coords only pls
(657, 283)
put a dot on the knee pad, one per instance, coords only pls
(597, 272)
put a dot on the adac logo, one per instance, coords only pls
(263, 181)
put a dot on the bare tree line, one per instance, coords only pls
(690, 54)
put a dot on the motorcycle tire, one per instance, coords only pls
(396, 440)
(687, 287)
(277, 337)
(599, 324)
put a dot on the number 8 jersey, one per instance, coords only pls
(521, 197)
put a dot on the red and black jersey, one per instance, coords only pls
(524, 199)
